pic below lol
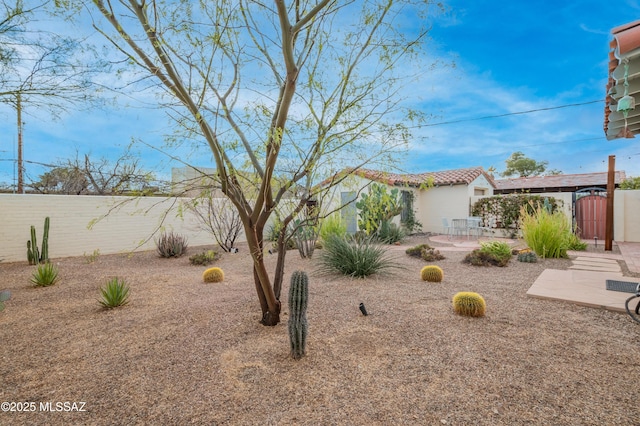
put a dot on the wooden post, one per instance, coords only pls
(611, 184)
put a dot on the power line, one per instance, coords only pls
(462, 120)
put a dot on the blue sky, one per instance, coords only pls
(509, 57)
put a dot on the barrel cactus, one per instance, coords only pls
(298, 298)
(213, 275)
(469, 304)
(432, 273)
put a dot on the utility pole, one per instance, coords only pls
(20, 167)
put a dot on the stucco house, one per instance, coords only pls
(436, 195)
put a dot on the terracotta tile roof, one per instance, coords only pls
(445, 177)
(568, 182)
(624, 46)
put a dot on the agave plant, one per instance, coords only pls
(115, 293)
(46, 274)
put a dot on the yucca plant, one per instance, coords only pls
(46, 274)
(115, 293)
(356, 257)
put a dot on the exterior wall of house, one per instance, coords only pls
(480, 187)
(626, 216)
(124, 229)
(448, 202)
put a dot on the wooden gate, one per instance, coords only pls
(591, 213)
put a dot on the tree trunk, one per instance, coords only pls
(269, 303)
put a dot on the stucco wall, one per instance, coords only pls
(626, 215)
(449, 202)
(124, 229)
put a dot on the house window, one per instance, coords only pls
(407, 206)
(479, 191)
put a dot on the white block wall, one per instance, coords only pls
(129, 223)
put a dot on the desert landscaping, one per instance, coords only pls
(186, 352)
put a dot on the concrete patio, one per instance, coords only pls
(584, 283)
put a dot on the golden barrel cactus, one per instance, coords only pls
(213, 275)
(432, 273)
(469, 304)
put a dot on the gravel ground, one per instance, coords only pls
(185, 352)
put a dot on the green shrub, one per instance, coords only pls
(500, 250)
(90, 258)
(432, 273)
(390, 233)
(469, 304)
(204, 258)
(548, 234)
(171, 245)
(115, 293)
(332, 225)
(416, 251)
(213, 275)
(483, 258)
(46, 274)
(575, 243)
(356, 257)
(431, 254)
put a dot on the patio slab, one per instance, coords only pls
(587, 288)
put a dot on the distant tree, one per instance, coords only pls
(553, 172)
(522, 166)
(39, 69)
(61, 180)
(630, 183)
(97, 177)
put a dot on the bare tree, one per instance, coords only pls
(96, 177)
(218, 217)
(283, 93)
(40, 68)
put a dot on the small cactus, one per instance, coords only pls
(213, 275)
(4, 296)
(298, 298)
(469, 304)
(432, 273)
(527, 257)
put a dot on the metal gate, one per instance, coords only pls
(591, 214)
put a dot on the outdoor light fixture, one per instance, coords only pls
(363, 309)
(627, 102)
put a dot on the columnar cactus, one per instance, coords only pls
(432, 273)
(469, 304)
(213, 275)
(34, 255)
(298, 298)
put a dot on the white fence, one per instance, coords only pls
(127, 223)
